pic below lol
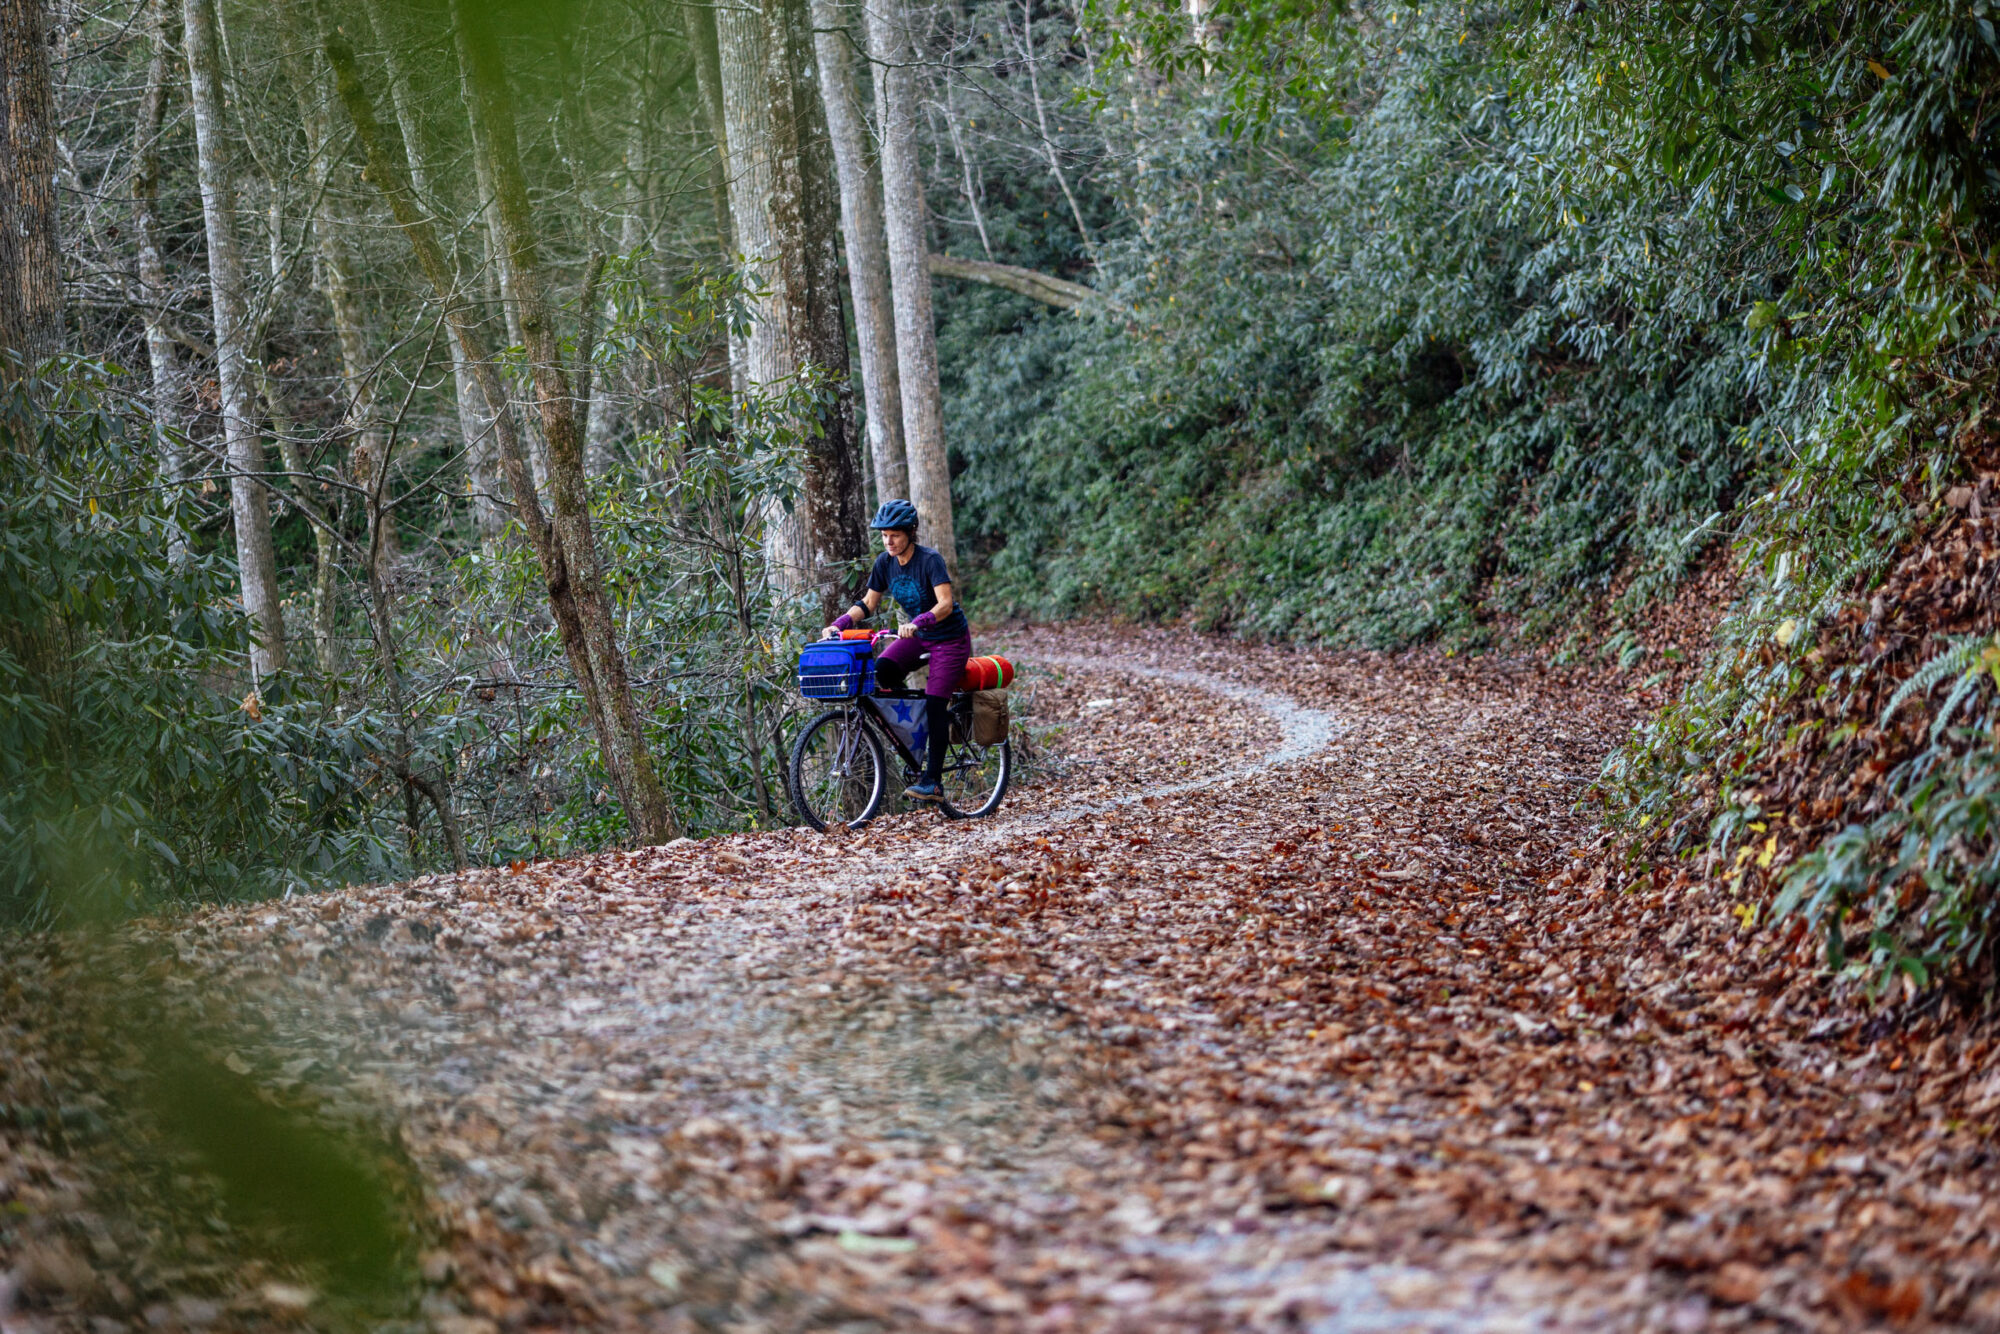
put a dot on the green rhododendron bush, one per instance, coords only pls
(1460, 322)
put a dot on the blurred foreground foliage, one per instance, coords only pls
(136, 759)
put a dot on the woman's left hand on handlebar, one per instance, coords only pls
(905, 630)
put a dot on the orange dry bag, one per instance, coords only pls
(990, 673)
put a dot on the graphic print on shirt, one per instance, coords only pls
(914, 588)
(908, 591)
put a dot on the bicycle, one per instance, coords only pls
(839, 768)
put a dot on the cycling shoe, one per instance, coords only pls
(924, 792)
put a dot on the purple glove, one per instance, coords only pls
(843, 622)
(923, 620)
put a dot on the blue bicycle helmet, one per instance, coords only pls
(896, 514)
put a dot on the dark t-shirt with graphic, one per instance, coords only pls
(914, 586)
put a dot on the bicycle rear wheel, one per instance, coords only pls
(975, 778)
(838, 772)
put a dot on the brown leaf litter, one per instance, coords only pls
(1355, 1041)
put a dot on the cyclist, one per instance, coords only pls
(934, 625)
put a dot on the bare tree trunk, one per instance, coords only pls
(890, 47)
(763, 356)
(493, 230)
(784, 202)
(475, 415)
(31, 297)
(326, 648)
(388, 171)
(600, 412)
(589, 385)
(336, 271)
(250, 505)
(492, 108)
(604, 414)
(700, 30)
(867, 252)
(169, 383)
(284, 428)
(805, 212)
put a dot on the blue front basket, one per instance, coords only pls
(837, 669)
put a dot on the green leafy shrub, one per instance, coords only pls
(1367, 376)
(137, 761)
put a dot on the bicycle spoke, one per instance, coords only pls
(836, 771)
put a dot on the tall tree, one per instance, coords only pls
(477, 432)
(492, 111)
(806, 212)
(894, 53)
(503, 275)
(621, 744)
(699, 28)
(31, 298)
(760, 356)
(867, 251)
(784, 203)
(168, 380)
(249, 499)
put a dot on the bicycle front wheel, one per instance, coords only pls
(975, 778)
(838, 772)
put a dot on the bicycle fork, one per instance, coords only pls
(850, 743)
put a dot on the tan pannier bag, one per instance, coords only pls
(989, 717)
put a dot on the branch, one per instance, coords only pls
(1057, 292)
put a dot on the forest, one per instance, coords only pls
(1362, 327)
(429, 432)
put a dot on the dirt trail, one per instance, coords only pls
(1273, 1002)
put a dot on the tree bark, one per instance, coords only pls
(493, 229)
(701, 38)
(492, 109)
(805, 215)
(250, 504)
(604, 412)
(784, 204)
(31, 297)
(169, 384)
(760, 356)
(381, 621)
(337, 269)
(894, 54)
(388, 172)
(326, 647)
(867, 252)
(333, 228)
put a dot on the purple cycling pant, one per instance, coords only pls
(948, 659)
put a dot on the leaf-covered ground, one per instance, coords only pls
(1185, 1038)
